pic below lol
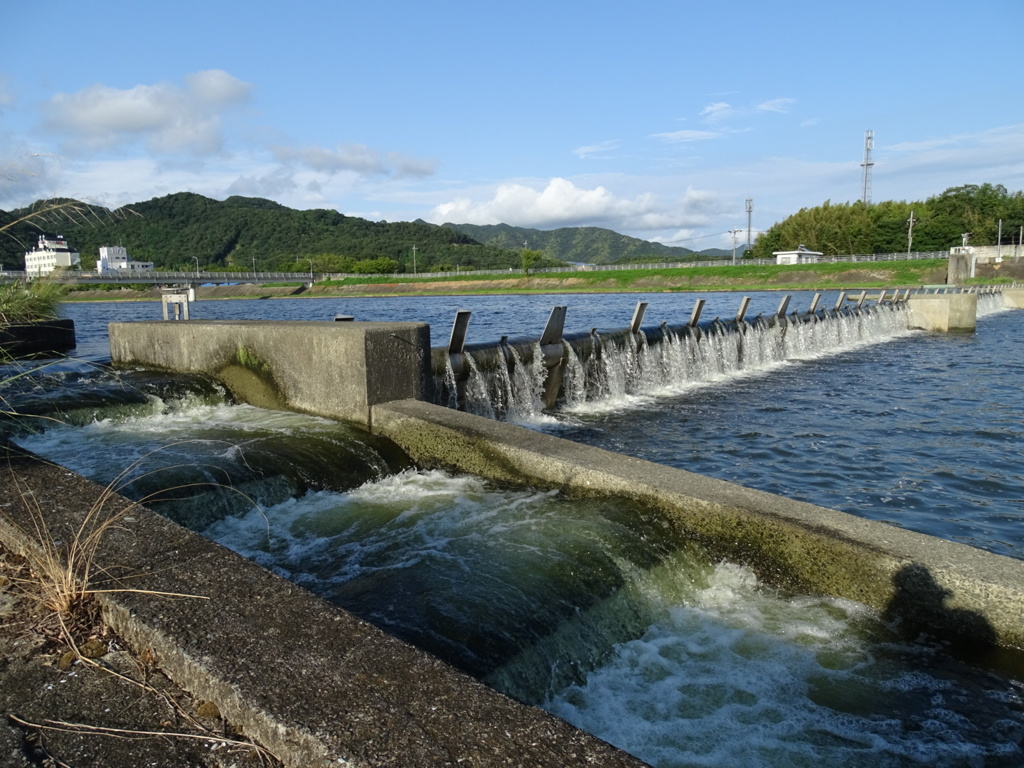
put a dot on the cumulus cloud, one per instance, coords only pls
(353, 158)
(169, 118)
(562, 204)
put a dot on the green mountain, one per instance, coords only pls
(589, 245)
(176, 230)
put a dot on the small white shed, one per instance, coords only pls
(802, 255)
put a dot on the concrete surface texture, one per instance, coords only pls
(956, 591)
(336, 370)
(944, 312)
(309, 682)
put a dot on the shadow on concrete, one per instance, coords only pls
(918, 610)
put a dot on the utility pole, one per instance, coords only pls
(750, 211)
(999, 240)
(910, 232)
(414, 259)
(734, 233)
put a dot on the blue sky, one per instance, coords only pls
(655, 119)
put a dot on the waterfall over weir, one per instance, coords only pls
(522, 379)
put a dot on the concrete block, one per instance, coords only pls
(1014, 298)
(336, 370)
(946, 312)
(37, 338)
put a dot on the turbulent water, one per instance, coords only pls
(599, 612)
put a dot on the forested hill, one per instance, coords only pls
(175, 230)
(590, 245)
(939, 223)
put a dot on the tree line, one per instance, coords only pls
(242, 234)
(939, 223)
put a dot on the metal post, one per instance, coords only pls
(638, 317)
(695, 315)
(744, 304)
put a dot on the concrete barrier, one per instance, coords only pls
(955, 591)
(1014, 298)
(37, 338)
(308, 681)
(337, 370)
(944, 312)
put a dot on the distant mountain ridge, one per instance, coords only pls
(589, 245)
(186, 230)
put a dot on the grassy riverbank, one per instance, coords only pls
(744, 277)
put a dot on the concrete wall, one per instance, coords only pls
(337, 370)
(943, 312)
(1014, 298)
(43, 336)
(310, 682)
(951, 589)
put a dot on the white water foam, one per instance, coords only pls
(639, 374)
(745, 676)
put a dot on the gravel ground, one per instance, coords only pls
(110, 709)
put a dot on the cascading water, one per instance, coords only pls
(602, 371)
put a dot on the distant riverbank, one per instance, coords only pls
(755, 277)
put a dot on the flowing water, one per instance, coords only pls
(600, 612)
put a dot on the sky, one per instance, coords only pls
(655, 119)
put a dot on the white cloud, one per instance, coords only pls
(595, 149)
(721, 111)
(562, 204)
(775, 105)
(169, 118)
(717, 111)
(676, 137)
(355, 158)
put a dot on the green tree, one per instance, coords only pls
(529, 259)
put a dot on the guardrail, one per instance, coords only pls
(129, 277)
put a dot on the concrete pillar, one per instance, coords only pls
(337, 370)
(958, 268)
(946, 312)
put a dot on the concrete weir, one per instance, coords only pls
(377, 701)
(951, 589)
(337, 370)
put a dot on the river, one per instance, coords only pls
(596, 611)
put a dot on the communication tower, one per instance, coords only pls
(750, 211)
(869, 144)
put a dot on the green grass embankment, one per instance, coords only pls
(742, 277)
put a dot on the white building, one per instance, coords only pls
(115, 258)
(802, 255)
(52, 252)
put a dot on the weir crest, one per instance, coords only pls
(522, 380)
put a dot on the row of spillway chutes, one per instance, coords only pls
(520, 378)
